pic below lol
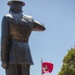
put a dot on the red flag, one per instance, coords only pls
(47, 67)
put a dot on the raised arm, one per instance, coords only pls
(38, 26)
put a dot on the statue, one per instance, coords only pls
(16, 29)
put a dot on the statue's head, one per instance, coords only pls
(16, 2)
(16, 6)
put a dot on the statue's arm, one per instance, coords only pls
(38, 26)
(4, 42)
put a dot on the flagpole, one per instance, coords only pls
(41, 66)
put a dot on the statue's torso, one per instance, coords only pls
(20, 28)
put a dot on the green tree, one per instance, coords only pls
(68, 67)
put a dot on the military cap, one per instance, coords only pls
(19, 1)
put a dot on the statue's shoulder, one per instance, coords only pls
(8, 15)
(28, 16)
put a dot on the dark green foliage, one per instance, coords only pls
(68, 67)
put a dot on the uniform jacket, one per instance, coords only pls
(16, 29)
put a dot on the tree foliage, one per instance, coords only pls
(68, 67)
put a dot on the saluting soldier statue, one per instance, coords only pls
(16, 29)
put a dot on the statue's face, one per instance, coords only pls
(16, 7)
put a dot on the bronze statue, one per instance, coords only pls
(16, 29)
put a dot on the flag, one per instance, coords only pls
(47, 67)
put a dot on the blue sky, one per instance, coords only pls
(58, 16)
